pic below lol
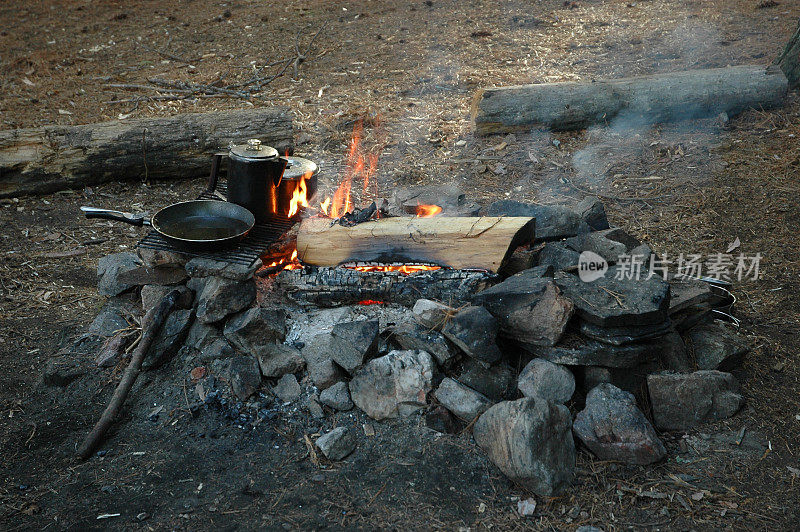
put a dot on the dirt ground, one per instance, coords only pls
(409, 69)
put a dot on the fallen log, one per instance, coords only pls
(453, 242)
(51, 158)
(332, 287)
(649, 99)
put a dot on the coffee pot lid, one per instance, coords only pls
(298, 167)
(253, 149)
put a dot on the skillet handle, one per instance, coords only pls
(119, 216)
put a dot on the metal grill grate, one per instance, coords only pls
(252, 247)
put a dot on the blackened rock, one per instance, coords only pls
(716, 347)
(614, 428)
(609, 244)
(558, 256)
(109, 269)
(393, 385)
(169, 339)
(552, 382)
(115, 316)
(410, 336)
(255, 328)
(112, 350)
(464, 402)
(530, 441)
(529, 308)
(337, 397)
(685, 400)
(202, 334)
(609, 301)
(689, 294)
(494, 381)
(243, 376)
(631, 380)
(441, 420)
(450, 198)
(552, 221)
(314, 407)
(432, 314)
(287, 388)
(62, 370)
(673, 353)
(354, 342)
(625, 334)
(474, 330)
(152, 294)
(576, 350)
(218, 349)
(222, 297)
(276, 360)
(160, 275)
(204, 267)
(593, 212)
(337, 444)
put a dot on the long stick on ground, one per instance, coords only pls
(151, 324)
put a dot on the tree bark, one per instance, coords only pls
(789, 60)
(51, 158)
(453, 242)
(644, 99)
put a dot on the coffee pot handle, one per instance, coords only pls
(216, 161)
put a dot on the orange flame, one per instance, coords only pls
(299, 196)
(426, 211)
(402, 268)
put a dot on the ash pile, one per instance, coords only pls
(535, 366)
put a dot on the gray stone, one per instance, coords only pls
(159, 275)
(474, 330)
(112, 349)
(411, 336)
(169, 338)
(204, 267)
(287, 388)
(276, 360)
(558, 256)
(152, 294)
(610, 302)
(716, 347)
(222, 297)
(252, 330)
(494, 381)
(552, 382)
(110, 267)
(681, 401)
(217, 349)
(432, 314)
(593, 212)
(354, 342)
(314, 407)
(393, 385)
(576, 350)
(450, 198)
(530, 309)
(464, 402)
(61, 370)
(597, 243)
(115, 316)
(553, 222)
(324, 372)
(614, 428)
(625, 334)
(673, 353)
(202, 334)
(632, 379)
(337, 444)
(243, 376)
(689, 294)
(337, 397)
(642, 253)
(530, 441)
(156, 257)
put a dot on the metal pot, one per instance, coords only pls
(254, 175)
(299, 170)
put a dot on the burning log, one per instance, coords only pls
(460, 243)
(654, 98)
(331, 287)
(50, 158)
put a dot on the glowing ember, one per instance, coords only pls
(370, 302)
(402, 268)
(426, 211)
(278, 265)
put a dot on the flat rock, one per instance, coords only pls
(152, 294)
(169, 339)
(337, 444)
(530, 441)
(109, 269)
(593, 212)
(411, 336)
(625, 334)
(243, 376)
(549, 381)
(558, 256)
(689, 293)
(220, 298)
(62, 370)
(159, 275)
(576, 350)
(432, 314)
(601, 242)
(464, 402)
(287, 388)
(715, 346)
(494, 381)
(324, 372)
(204, 267)
(276, 360)
(156, 257)
(553, 222)
(528, 307)
(474, 331)
(393, 385)
(354, 342)
(250, 331)
(614, 428)
(337, 397)
(681, 401)
(609, 301)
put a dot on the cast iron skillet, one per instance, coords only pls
(200, 225)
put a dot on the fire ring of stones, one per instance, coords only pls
(588, 352)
